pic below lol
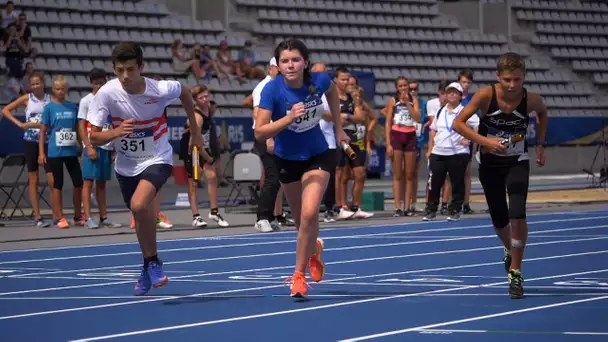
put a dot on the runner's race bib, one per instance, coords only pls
(313, 112)
(360, 132)
(137, 145)
(402, 116)
(65, 137)
(206, 142)
(513, 149)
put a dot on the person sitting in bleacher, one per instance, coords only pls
(226, 64)
(246, 60)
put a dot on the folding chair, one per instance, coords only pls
(247, 170)
(11, 185)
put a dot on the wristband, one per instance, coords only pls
(349, 116)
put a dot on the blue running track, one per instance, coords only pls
(438, 281)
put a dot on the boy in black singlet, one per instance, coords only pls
(504, 167)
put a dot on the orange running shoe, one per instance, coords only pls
(299, 286)
(62, 223)
(315, 265)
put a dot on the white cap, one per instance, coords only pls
(273, 62)
(456, 86)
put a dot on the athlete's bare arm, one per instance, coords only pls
(481, 100)
(414, 109)
(389, 123)
(373, 119)
(536, 104)
(201, 151)
(248, 102)
(359, 116)
(7, 112)
(98, 138)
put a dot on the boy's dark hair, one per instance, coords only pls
(442, 85)
(466, 74)
(97, 74)
(126, 51)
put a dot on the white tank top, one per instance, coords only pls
(33, 113)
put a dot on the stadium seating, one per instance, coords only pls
(411, 38)
(390, 38)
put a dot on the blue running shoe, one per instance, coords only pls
(143, 283)
(157, 276)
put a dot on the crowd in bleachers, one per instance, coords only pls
(200, 62)
(16, 43)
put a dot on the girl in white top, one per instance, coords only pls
(449, 154)
(34, 103)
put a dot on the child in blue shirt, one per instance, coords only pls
(60, 121)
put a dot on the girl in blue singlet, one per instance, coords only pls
(293, 101)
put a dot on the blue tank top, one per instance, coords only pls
(304, 138)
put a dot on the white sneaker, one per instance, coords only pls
(263, 226)
(219, 219)
(345, 214)
(360, 214)
(198, 222)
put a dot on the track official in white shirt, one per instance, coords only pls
(449, 154)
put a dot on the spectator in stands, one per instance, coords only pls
(9, 16)
(25, 80)
(226, 64)
(26, 36)
(203, 62)
(15, 50)
(432, 108)
(13, 86)
(465, 78)
(181, 63)
(246, 60)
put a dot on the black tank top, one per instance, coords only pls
(208, 130)
(348, 106)
(496, 123)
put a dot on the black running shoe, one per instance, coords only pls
(454, 216)
(516, 284)
(429, 216)
(466, 210)
(398, 213)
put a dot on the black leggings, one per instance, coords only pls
(329, 199)
(440, 167)
(497, 181)
(271, 187)
(72, 164)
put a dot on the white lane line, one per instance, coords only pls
(121, 297)
(335, 280)
(465, 238)
(473, 319)
(321, 307)
(327, 263)
(518, 332)
(292, 240)
(328, 229)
